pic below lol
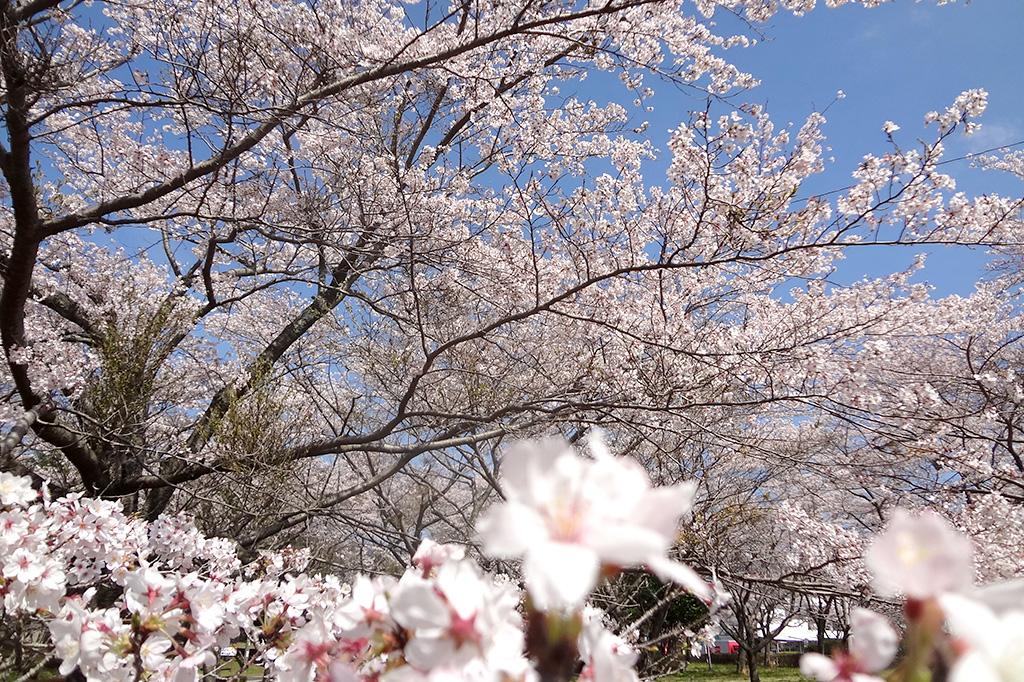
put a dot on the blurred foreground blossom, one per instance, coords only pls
(920, 557)
(16, 491)
(569, 517)
(1002, 597)
(992, 644)
(873, 646)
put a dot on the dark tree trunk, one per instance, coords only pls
(755, 675)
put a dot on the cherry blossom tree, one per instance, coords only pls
(301, 269)
(398, 233)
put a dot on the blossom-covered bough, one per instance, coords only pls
(369, 235)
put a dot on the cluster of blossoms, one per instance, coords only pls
(977, 633)
(122, 597)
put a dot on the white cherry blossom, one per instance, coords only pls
(606, 656)
(992, 644)
(569, 517)
(873, 646)
(16, 491)
(920, 557)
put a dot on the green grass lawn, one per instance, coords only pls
(698, 672)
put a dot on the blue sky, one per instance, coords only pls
(894, 62)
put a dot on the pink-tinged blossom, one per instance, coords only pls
(992, 644)
(66, 630)
(873, 641)
(96, 641)
(309, 652)
(606, 656)
(825, 669)
(460, 616)
(148, 592)
(340, 671)
(23, 566)
(873, 646)
(367, 608)
(429, 555)
(43, 593)
(568, 517)
(153, 652)
(920, 557)
(13, 526)
(207, 601)
(1002, 597)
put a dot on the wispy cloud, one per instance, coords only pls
(995, 134)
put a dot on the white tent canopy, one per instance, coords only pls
(800, 631)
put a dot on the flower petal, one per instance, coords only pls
(660, 509)
(560, 575)
(415, 604)
(680, 574)
(973, 667)
(508, 530)
(624, 544)
(818, 667)
(427, 653)
(971, 621)
(1003, 596)
(873, 642)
